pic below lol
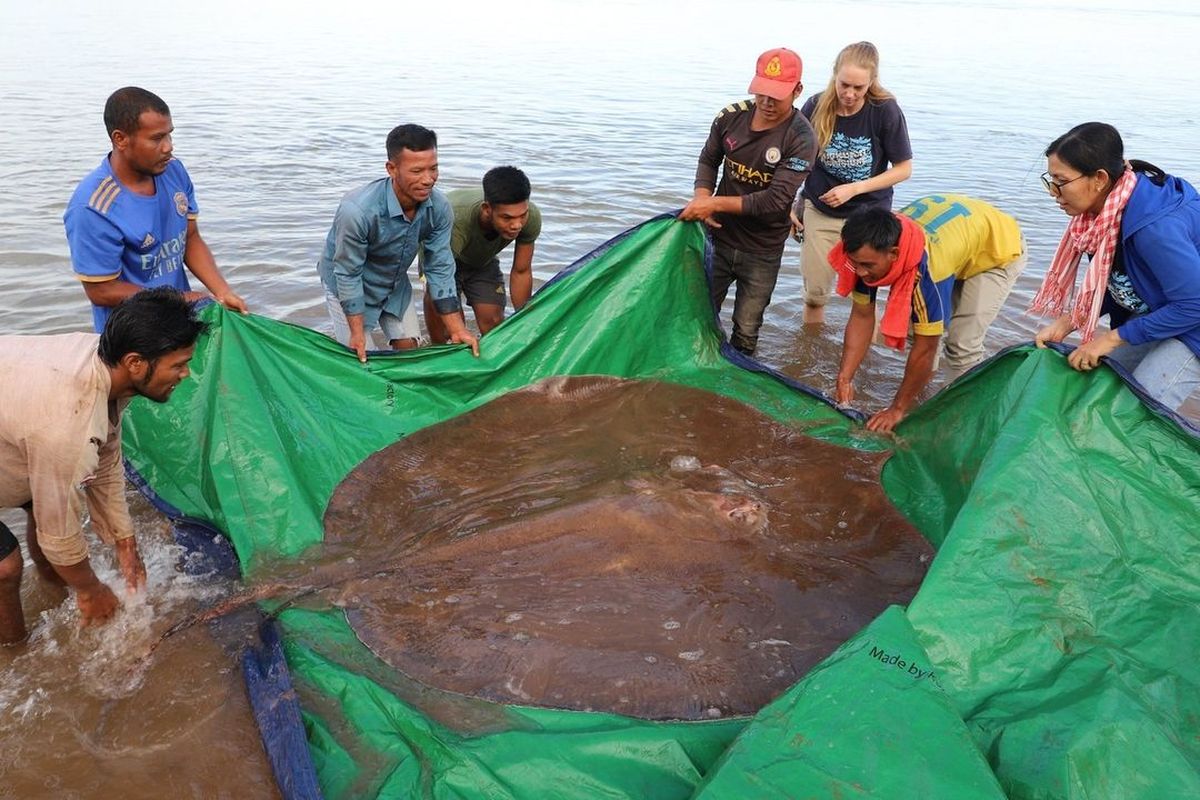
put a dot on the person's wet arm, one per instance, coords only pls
(711, 156)
(111, 292)
(439, 277)
(703, 204)
(201, 263)
(896, 173)
(109, 511)
(917, 372)
(897, 151)
(1087, 355)
(796, 213)
(844, 192)
(54, 476)
(1056, 331)
(520, 280)
(855, 343)
(96, 248)
(349, 260)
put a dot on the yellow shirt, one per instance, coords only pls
(964, 236)
(60, 441)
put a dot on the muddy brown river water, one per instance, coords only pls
(82, 715)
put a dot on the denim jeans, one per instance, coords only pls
(755, 275)
(1168, 370)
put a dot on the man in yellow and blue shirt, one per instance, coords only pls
(970, 258)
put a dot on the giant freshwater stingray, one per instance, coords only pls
(599, 544)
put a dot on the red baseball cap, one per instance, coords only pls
(777, 73)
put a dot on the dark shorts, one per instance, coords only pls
(481, 286)
(8, 542)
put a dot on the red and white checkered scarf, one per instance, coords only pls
(1097, 234)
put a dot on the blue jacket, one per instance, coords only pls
(1160, 237)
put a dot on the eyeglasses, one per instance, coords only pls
(1055, 187)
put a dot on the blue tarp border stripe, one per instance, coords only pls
(277, 711)
(208, 549)
(268, 683)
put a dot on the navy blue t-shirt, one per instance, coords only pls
(863, 145)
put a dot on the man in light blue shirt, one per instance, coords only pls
(375, 237)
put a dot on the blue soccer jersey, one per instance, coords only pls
(115, 233)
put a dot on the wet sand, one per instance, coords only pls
(597, 544)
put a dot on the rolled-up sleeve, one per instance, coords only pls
(350, 237)
(439, 260)
(106, 494)
(56, 467)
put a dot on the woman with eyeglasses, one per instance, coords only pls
(1141, 230)
(863, 151)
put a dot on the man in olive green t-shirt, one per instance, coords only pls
(485, 222)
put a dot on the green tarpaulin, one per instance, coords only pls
(1050, 653)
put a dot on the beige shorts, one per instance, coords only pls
(390, 326)
(821, 234)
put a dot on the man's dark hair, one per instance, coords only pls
(505, 185)
(151, 323)
(409, 137)
(876, 227)
(125, 106)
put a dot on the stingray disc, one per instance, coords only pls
(635, 547)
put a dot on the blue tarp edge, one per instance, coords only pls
(265, 674)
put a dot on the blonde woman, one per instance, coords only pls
(862, 152)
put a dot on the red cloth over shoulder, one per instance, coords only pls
(902, 278)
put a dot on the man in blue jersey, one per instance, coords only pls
(131, 223)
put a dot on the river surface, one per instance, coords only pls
(281, 108)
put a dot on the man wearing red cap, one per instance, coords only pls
(767, 148)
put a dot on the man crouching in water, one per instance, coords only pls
(61, 399)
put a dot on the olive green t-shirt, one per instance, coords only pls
(471, 246)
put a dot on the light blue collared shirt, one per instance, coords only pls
(371, 245)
